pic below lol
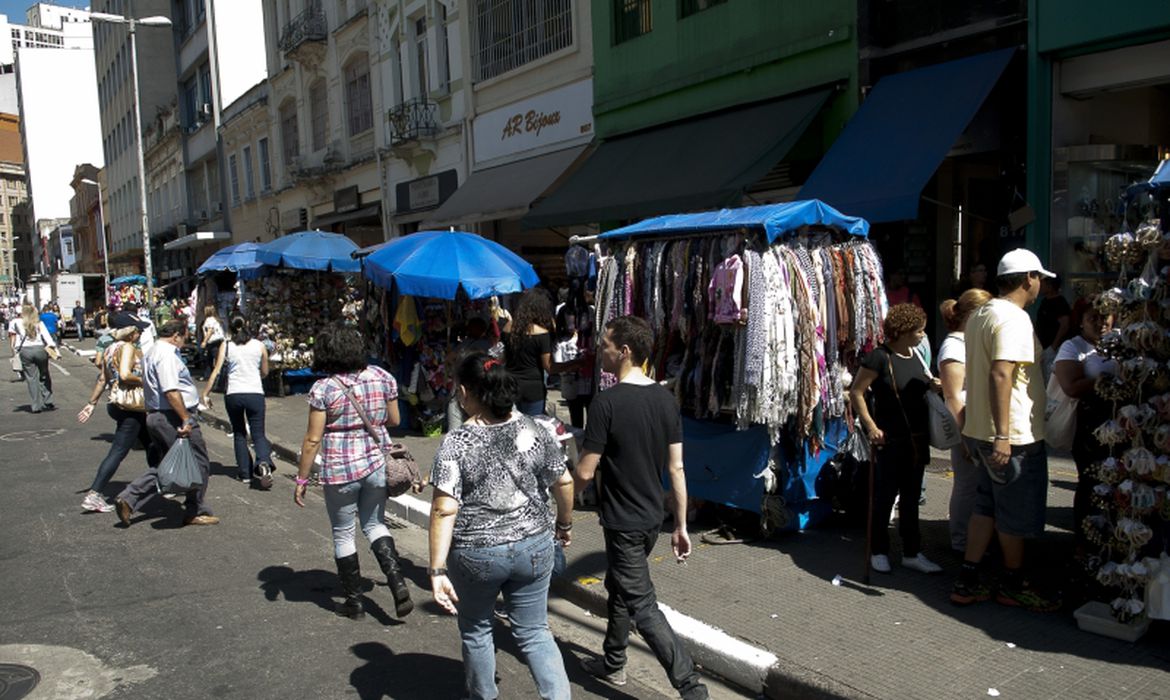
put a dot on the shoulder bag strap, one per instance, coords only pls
(361, 411)
(894, 386)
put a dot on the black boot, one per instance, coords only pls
(388, 559)
(350, 573)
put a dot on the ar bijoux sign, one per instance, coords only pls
(563, 114)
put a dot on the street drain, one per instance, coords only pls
(17, 681)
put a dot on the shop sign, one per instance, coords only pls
(346, 199)
(426, 192)
(560, 115)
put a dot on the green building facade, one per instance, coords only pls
(1098, 120)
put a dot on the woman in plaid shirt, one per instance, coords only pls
(353, 471)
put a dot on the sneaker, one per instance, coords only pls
(921, 563)
(880, 563)
(1028, 598)
(596, 668)
(963, 593)
(94, 503)
(264, 475)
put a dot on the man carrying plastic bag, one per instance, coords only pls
(171, 404)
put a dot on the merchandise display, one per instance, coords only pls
(1132, 528)
(760, 316)
(290, 307)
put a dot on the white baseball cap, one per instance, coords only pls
(1021, 260)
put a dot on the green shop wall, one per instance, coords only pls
(736, 52)
(1060, 29)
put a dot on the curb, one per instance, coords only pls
(752, 668)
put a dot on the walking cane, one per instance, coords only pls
(869, 515)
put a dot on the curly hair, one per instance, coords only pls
(955, 312)
(535, 309)
(902, 319)
(338, 350)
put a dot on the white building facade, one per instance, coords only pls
(528, 70)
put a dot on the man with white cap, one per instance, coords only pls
(1004, 431)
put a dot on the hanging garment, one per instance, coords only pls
(726, 292)
(406, 323)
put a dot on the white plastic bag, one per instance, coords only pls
(1158, 588)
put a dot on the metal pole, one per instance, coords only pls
(105, 251)
(148, 267)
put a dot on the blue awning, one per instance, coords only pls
(775, 219)
(893, 144)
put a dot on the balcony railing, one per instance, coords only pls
(310, 25)
(413, 120)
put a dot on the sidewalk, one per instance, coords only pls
(791, 633)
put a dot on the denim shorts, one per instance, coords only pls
(1017, 496)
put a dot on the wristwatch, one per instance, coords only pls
(441, 571)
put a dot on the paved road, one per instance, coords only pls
(238, 610)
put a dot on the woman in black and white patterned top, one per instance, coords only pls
(490, 518)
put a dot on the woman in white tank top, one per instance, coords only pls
(246, 360)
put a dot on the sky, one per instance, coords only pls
(15, 9)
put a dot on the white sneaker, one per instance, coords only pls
(94, 503)
(880, 563)
(921, 563)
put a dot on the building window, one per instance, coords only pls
(357, 95)
(290, 147)
(420, 57)
(249, 177)
(319, 113)
(510, 33)
(444, 48)
(265, 168)
(190, 92)
(234, 178)
(690, 7)
(632, 19)
(205, 88)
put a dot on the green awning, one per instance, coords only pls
(702, 163)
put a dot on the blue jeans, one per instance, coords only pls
(363, 500)
(131, 428)
(246, 413)
(521, 570)
(531, 408)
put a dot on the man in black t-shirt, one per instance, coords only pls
(634, 432)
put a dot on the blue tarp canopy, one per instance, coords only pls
(436, 264)
(893, 144)
(310, 250)
(239, 258)
(775, 219)
(127, 279)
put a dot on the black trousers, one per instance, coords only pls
(898, 472)
(632, 599)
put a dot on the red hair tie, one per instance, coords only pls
(489, 363)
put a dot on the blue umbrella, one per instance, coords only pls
(310, 250)
(436, 264)
(240, 258)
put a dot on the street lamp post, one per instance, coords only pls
(102, 233)
(131, 25)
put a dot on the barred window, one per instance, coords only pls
(508, 34)
(632, 19)
(249, 176)
(357, 95)
(234, 175)
(290, 146)
(319, 113)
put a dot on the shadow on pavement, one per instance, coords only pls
(318, 586)
(386, 674)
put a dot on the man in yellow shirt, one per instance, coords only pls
(1004, 431)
